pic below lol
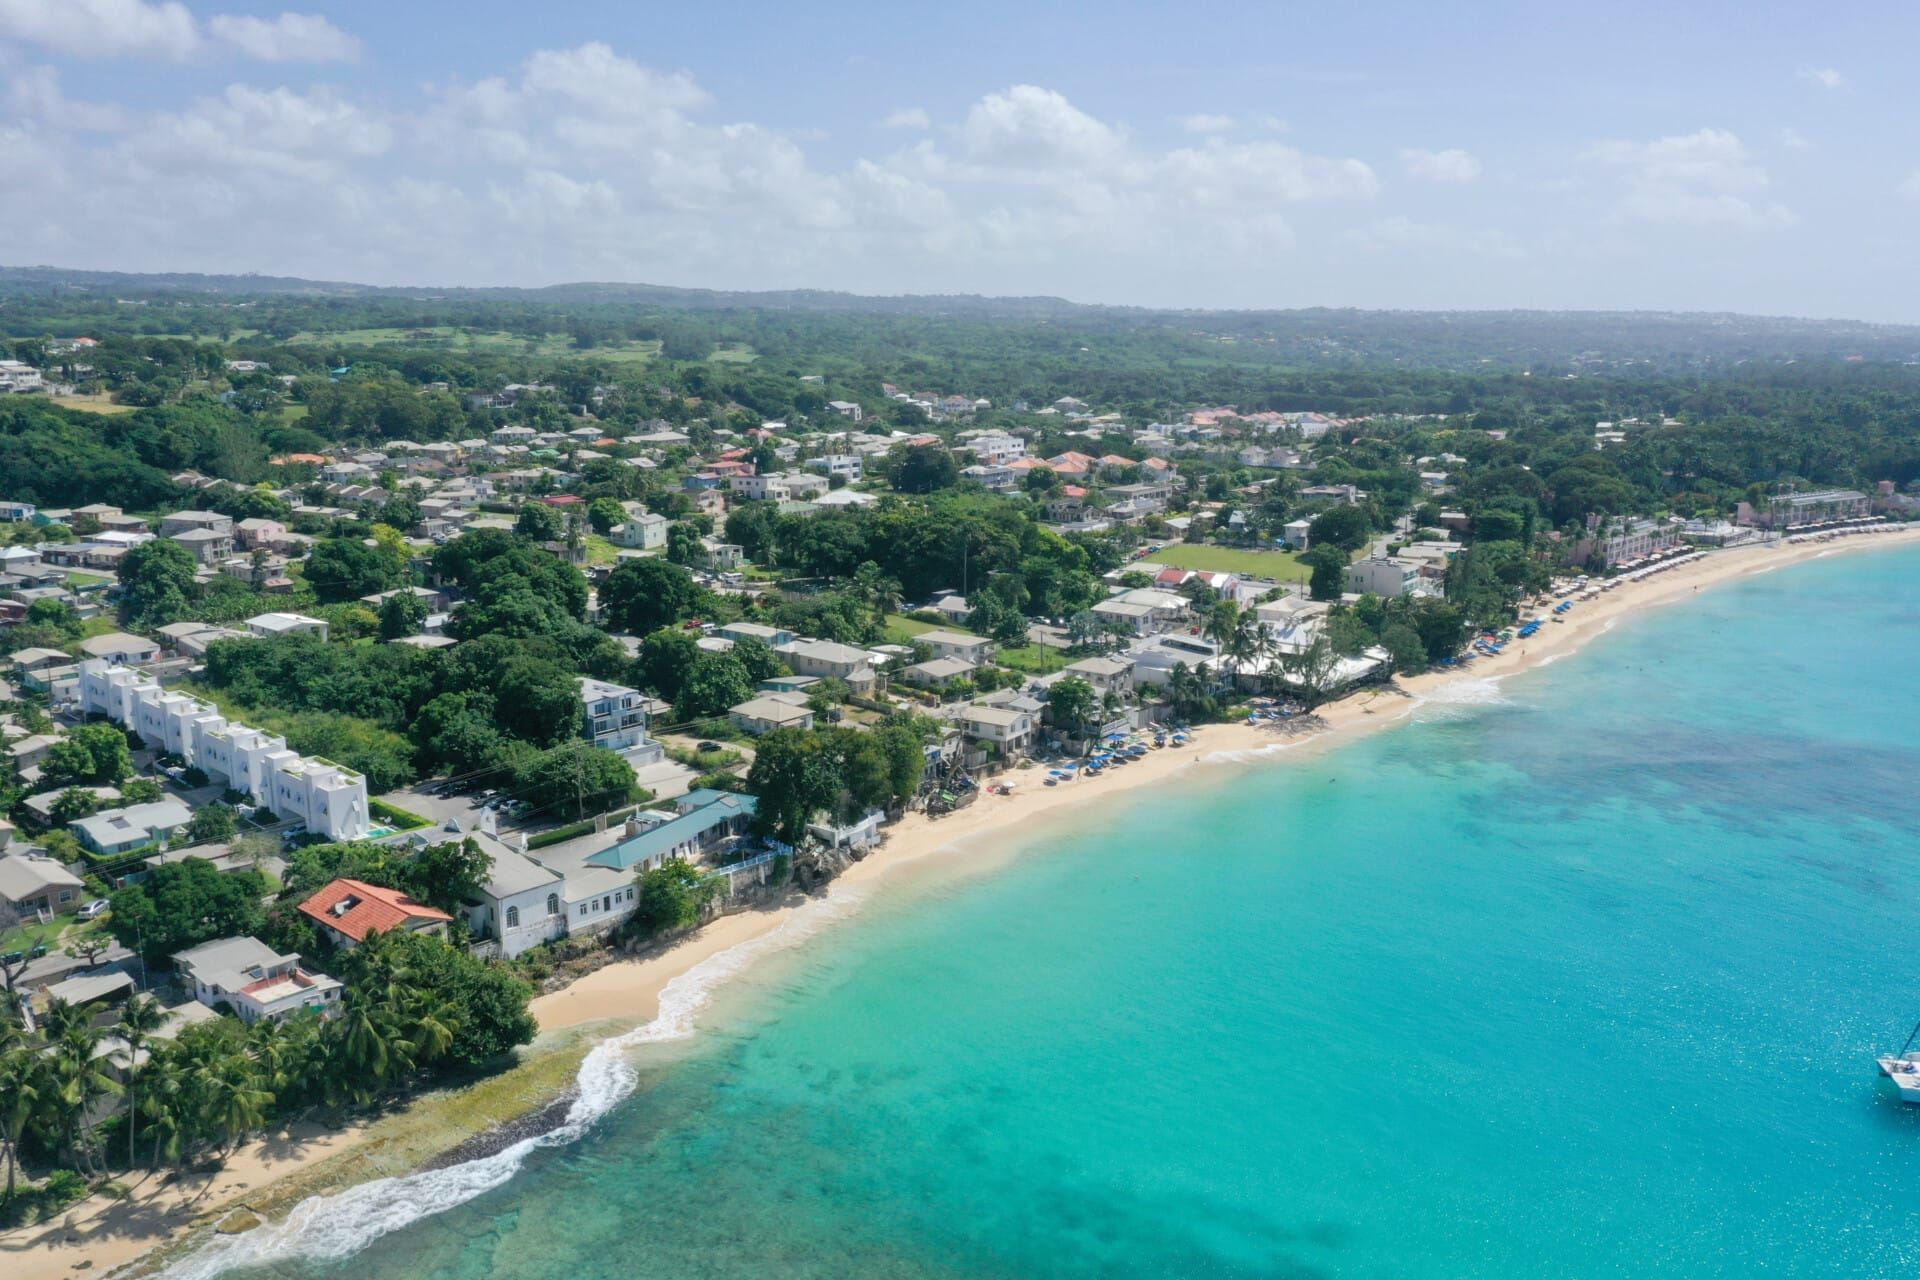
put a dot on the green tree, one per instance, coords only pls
(663, 662)
(157, 583)
(401, 615)
(683, 543)
(672, 895)
(214, 821)
(538, 521)
(1346, 527)
(340, 569)
(90, 753)
(604, 513)
(715, 682)
(1329, 572)
(183, 904)
(574, 780)
(641, 596)
(1072, 705)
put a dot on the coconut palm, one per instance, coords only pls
(140, 1019)
(235, 1104)
(78, 1077)
(20, 1081)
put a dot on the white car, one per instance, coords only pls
(95, 909)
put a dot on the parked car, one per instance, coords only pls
(707, 746)
(95, 909)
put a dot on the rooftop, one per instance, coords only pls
(354, 908)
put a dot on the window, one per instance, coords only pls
(513, 917)
(583, 908)
(553, 904)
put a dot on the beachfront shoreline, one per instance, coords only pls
(627, 994)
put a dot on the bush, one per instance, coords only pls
(396, 817)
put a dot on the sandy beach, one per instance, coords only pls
(99, 1235)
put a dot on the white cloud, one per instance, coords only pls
(1384, 235)
(907, 118)
(34, 94)
(102, 28)
(166, 29)
(1031, 127)
(291, 37)
(1705, 179)
(584, 164)
(1452, 165)
(1825, 77)
(1911, 187)
(1202, 122)
(1793, 140)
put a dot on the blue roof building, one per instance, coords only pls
(704, 817)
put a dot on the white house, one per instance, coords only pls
(255, 981)
(1008, 729)
(772, 711)
(957, 644)
(826, 658)
(268, 625)
(120, 830)
(521, 906)
(640, 533)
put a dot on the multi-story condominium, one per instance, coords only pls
(615, 718)
(1790, 511)
(316, 793)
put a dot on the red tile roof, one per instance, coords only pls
(354, 908)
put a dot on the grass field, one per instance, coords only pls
(901, 629)
(90, 404)
(734, 353)
(1284, 566)
(474, 342)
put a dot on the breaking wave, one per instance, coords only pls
(328, 1228)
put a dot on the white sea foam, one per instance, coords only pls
(326, 1228)
(1460, 697)
(1247, 755)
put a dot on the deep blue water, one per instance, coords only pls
(1581, 980)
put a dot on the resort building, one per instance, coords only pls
(349, 910)
(1618, 542)
(1789, 511)
(316, 793)
(254, 981)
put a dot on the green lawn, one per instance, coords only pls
(1034, 659)
(733, 353)
(1284, 566)
(600, 550)
(901, 629)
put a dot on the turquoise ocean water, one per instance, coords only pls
(1580, 975)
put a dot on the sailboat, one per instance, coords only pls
(1903, 1068)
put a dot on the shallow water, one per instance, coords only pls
(1580, 975)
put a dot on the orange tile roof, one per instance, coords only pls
(373, 909)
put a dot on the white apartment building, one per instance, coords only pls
(615, 718)
(316, 793)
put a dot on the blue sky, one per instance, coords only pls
(1699, 157)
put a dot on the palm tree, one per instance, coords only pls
(235, 1104)
(20, 1077)
(78, 1076)
(140, 1019)
(160, 1089)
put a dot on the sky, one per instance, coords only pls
(1701, 156)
